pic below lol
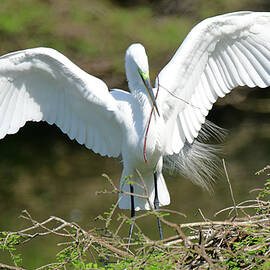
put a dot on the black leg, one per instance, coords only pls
(132, 213)
(156, 205)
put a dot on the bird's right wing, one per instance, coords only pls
(219, 54)
(42, 84)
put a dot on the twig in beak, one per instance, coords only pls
(148, 125)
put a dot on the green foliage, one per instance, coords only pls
(252, 244)
(8, 242)
(152, 261)
(74, 257)
(97, 31)
(248, 249)
(24, 14)
(265, 192)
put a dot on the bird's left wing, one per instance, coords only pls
(42, 84)
(218, 55)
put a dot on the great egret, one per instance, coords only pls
(219, 54)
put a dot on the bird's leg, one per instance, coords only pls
(156, 205)
(132, 213)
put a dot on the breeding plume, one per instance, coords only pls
(147, 125)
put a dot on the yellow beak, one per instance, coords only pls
(147, 84)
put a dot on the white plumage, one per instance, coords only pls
(218, 55)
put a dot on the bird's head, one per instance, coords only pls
(137, 70)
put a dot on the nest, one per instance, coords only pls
(236, 243)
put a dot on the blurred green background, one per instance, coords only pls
(42, 171)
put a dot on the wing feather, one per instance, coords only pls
(60, 115)
(178, 136)
(218, 55)
(3, 112)
(67, 115)
(17, 113)
(42, 84)
(251, 66)
(262, 64)
(73, 126)
(81, 138)
(176, 143)
(10, 102)
(226, 76)
(89, 139)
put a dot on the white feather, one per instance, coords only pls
(234, 50)
(44, 84)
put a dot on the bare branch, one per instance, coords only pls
(230, 186)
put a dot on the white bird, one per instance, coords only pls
(219, 54)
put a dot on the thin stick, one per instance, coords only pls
(147, 129)
(5, 266)
(181, 99)
(200, 211)
(231, 191)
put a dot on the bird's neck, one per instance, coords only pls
(135, 82)
(138, 89)
(141, 95)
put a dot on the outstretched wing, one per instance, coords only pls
(219, 54)
(42, 84)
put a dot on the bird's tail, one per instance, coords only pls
(143, 185)
(199, 161)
